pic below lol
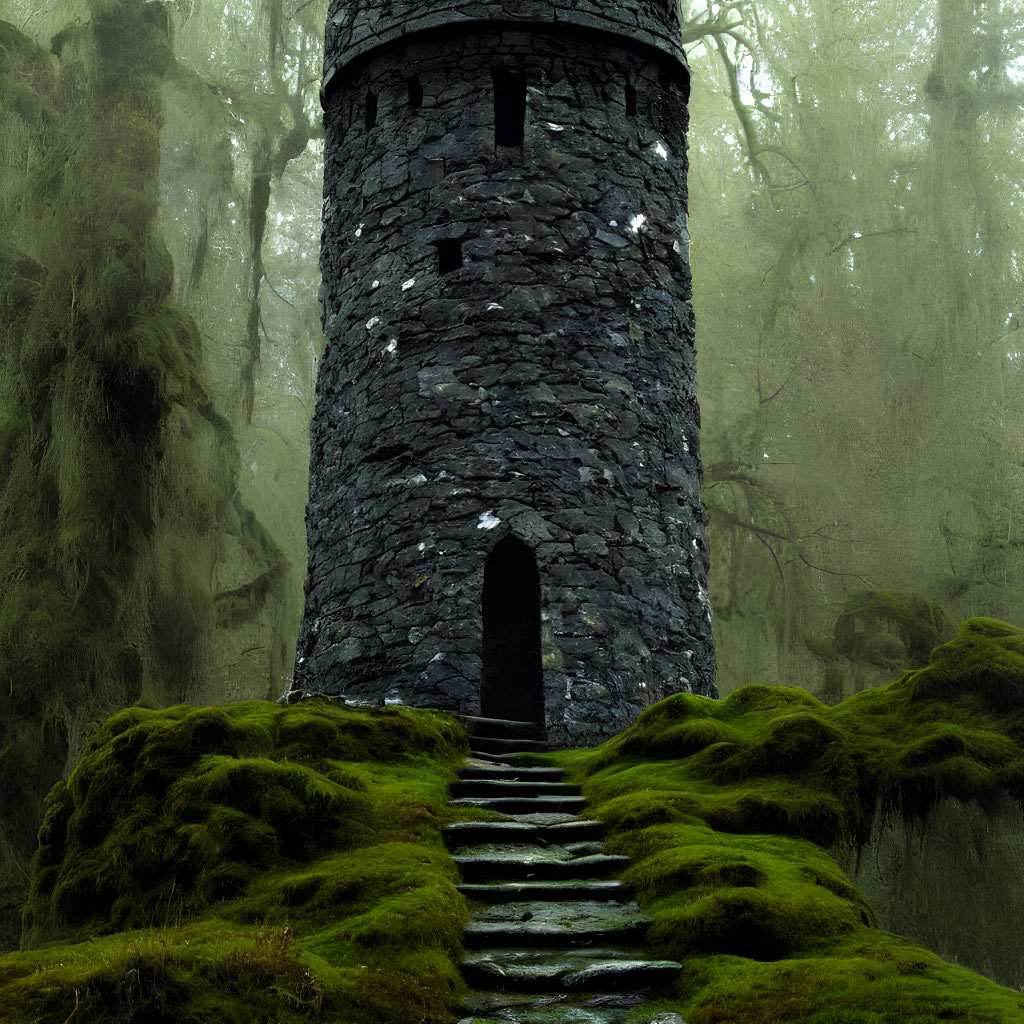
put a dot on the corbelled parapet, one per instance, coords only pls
(504, 512)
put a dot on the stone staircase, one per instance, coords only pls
(551, 935)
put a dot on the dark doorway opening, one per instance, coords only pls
(512, 680)
(509, 107)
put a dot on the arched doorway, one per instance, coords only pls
(511, 681)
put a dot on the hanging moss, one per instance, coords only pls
(117, 475)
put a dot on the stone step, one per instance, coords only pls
(510, 771)
(514, 867)
(552, 1011)
(506, 728)
(512, 787)
(541, 924)
(533, 853)
(544, 818)
(546, 1008)
(580, 970)
(499, 745)
(518, 832)
(575, 889)
(486, 757)
(523, 805)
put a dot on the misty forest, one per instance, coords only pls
(856, 216)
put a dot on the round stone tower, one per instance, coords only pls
(504, 515)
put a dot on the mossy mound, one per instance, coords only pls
(246, 862)
(732, 812)
(890, 629)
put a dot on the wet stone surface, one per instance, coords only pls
(563, 1007)
(528, 852)
(576, 917)
(540, 952)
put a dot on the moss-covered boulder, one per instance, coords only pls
(246, 862)
(735, 813)
(877, 633)
(891, 629)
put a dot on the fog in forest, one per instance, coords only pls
(856, 200)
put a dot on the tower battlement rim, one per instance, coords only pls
(358, 30)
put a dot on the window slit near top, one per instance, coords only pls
(509, 107)
(371, 110)
(449, 255)
(630, 100)
(415, 92)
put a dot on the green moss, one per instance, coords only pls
(867, 977)
(118, 479)
(228, 862)
(732, 813)
(890, 629)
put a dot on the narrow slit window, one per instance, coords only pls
(509, 107)
(415, 92)
(630, 100)
(449, 255)
(371, 110)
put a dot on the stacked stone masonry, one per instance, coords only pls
(510, 351)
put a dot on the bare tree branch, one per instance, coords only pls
(778, 567)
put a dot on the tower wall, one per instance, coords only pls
(509, 350)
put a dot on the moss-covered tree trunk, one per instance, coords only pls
(118, 489)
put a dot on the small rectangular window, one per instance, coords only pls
(371, 110)
(449, 255)
(630, 100)
(509, 107)
(415, 92)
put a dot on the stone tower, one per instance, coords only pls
(504, 513)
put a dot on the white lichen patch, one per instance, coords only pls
(372, 322)
(406, 285)
(488, 520)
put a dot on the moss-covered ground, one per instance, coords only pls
(252, 862)
(246, 862)
(733, 811)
